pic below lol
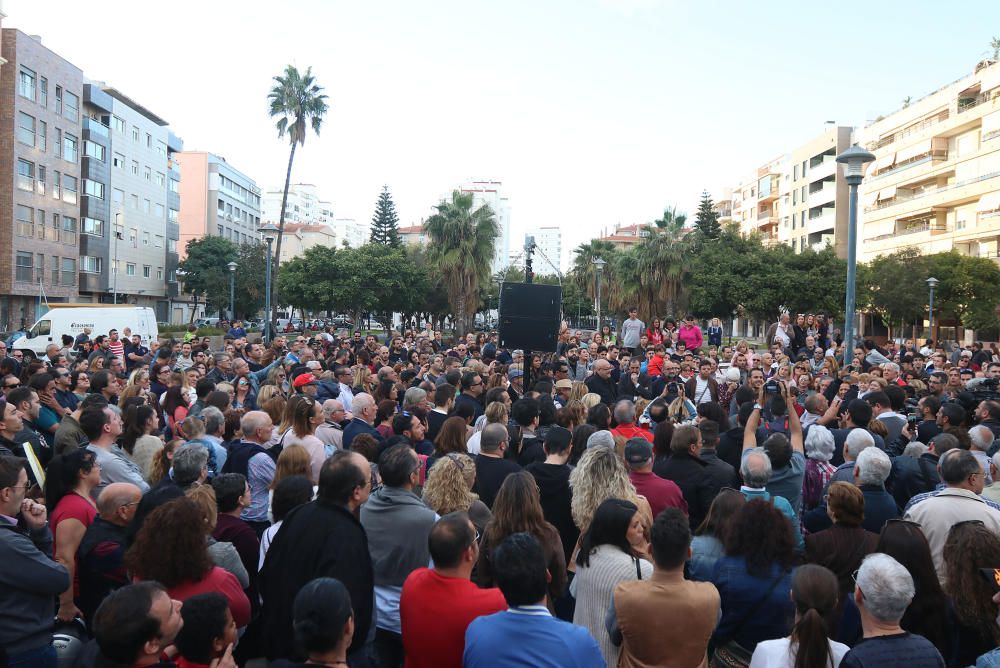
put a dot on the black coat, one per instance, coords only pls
(695, 480)
(911, 476)
(605, 388)
(318, 539)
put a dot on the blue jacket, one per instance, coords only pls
(539, 640)
(359, 426)
(743, 597)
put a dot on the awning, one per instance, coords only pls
(885, 162)
(991, 126)
(989, 202)
(913, 151)
(887, 193)
(870, 198)
(990, 78)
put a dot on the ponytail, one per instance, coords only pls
(811, 636)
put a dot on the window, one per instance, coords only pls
(795, 173)
(59, 100)
(118, 124)
(161, 179)
(130, 269)
(90, 264)
(147, 173)
(93, 188)
(159, 273)
(56, 186)
(43, 91)
(134, 199)
(149, 140)
(69, 189)
(68, 271)
(135, 168)
(147, 271)
(118, 196)
(145, 206)
(114, 266)
(58, 145)
(25, 175)
(219, 229)
(159, 211)
(72, 107)
(25, 128)
(171, 215)
(145, 238)
(68, 230)
(158, 241)
(229, 209)
(175, 186)
(53, 232)
(25, 267)
(171, 245)
(55, 270)
(222, 206)
(25, 217)
(92, 150)
(133, 237)
(69, 148)
(161, 148)
(795, 196)
(93, 227)
(42, 135)
(40, 265)
(135, 134)
(118, 161)
(40, 183)
(26, 84)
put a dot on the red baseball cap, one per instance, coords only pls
(304, 379)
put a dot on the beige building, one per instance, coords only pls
(626, 236)
(413, 235)
(300, 237)
(935, 183)
(755, 201)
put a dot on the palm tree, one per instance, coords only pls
(584, 273)
(671, 219)
(461, 243)
(298, 103)
(906, 101)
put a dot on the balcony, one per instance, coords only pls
(827, 194)
(767, 189)
(826, 222)
(823, 169)
(900, 198)
(906, 132)
(96, 128)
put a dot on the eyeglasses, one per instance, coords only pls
(11, 387)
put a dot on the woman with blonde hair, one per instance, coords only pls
(590, 400)
(572, 415)
(578, 391)
(268, 392)
(138, 385)
(363, 380)
(449, 489)
(275, 408)
(601, 475)
(163, 461)
(223, 554)
(298, 427)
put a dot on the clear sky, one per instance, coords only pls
(592, 112)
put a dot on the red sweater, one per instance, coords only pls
(435, 612)
(223, 582)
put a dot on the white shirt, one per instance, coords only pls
(777, 654)
(783, 335)
(346, 397)
(702, 395)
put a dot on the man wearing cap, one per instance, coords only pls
(659, 492)
(562, 388)
(516, 388)
(305, 383)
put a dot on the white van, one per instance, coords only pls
(70, 319)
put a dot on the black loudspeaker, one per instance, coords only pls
(529, 316)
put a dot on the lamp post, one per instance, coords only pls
(269, 233)
(931, 283)
(599, 266)
(232, 290)
(854, 160)
(179, 274)
(732, 329)
(114, 267)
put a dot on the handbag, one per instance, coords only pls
(731, 654)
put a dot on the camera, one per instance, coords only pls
(771, 387)
(672, 388)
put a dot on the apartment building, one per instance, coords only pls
(216, 199)
(548, 244)
(413, 235)
(624, 237)
(40, 181)
(300, 237)
(303, 206)
(348, 230)
(935, 182)
(492, 192)
(755, 201)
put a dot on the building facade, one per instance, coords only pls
(300, 237)
(813, 207)
(303, 206)
(548, 244)
(355, 233)
(40, 183)
(216, 199)
(935, 182)
(492, 193)
(413, 235)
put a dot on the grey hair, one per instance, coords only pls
(957, 465)
(214, 419)
(601, 438)
(873, 467)
(995, 459)
(624, 412)
(886, 586)
(890, 366)
(188, 463)
(331, 405)
(756, 468)
(413, 397)
(819, 443)
(981, 437)
(253, 421)
(856, 441)
(915, 449)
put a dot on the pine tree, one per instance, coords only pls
(707, 218)
(385, 222)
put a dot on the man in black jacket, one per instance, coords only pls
(911, 476)
(600, 382)
(691, 474)
(552, 477)
(322, 538)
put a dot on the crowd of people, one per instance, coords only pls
(642, 497)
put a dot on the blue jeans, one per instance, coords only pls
(40, 657)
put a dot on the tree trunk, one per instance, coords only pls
(281, 225)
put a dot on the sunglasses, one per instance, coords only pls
(11, 387)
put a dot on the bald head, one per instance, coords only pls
(116, 498)
(492, 437)
(331, 406)
(256, 427)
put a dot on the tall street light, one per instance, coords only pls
(232, 290)
(269, 233)
(854, 160)
(598, 265)
(732, 329)
(931, 283)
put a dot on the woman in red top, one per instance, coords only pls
(69, 482)
(175, 407)
(171, 549)
(654, 333)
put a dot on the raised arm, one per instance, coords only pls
(794, 426)
(750, 431)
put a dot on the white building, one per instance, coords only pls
(304, 205)
(348, 229)
(491, 192)
(548, 244)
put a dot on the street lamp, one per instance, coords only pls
(179, 274)
(232, 290)
(114, 267)
(269, 233)
(854, 159)
(598, 265)
(931, 283)
(732, 329)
